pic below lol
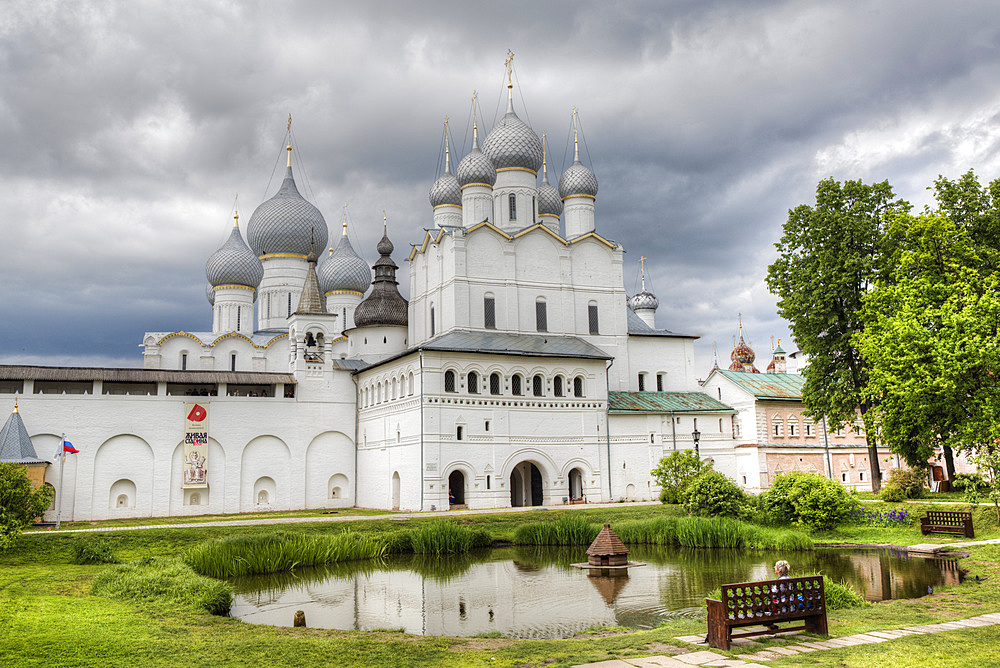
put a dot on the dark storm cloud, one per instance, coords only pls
(129, 128)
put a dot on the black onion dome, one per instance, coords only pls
(234, 264)
(287, 223)
(344, 269)
(578, 179)
(384, 305)
(512, 143)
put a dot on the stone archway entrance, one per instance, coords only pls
(456, 488)
(525, 485)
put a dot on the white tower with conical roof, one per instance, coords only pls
(550, 205)
(476, 176)
(343, 280)
(446, 194)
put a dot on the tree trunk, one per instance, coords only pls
(949, 462)
(873, 458)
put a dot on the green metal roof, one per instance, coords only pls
(665, 402)
(777, 386)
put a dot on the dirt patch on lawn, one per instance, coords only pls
(482, 644)
(661, 648)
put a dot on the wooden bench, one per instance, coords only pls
(947, 521)
(764, 603)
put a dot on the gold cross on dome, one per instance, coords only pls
(509, 63)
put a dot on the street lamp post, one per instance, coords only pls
(696, 437)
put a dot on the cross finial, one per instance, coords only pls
(545, 168)
(15, 403)
(345, 222)
(236, 211)
(447, 150)
(509, 63)
(576, 141)
(289, 140)
(642, 264)
(740, 316)
(475, 127)
(385, 222)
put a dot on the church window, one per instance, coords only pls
(578, 386)
(449, 381)
(489, 312)
(541, 319)
(459, 433)
(720, 393)
(720, 425)
(659, 384)
(534, 207)
(557, 386)
(473, 382)
(778, 431)
(432, 320)
(184, 361)
(512, 205)
(642, 382)
(809, 429)
(239, 313)
(289, 303)
(592, 318)
(537, 386)
(410, 386)
(394, 388)
(793, 427)
(487, 482)
(515, 385)
(486, 425)
(232, 362)
(495, 383)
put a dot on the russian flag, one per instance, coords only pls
(64, 447)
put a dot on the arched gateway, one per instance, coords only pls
(525, 485)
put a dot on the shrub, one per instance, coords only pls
(964, 481)
(675, 472)
(19, 503)
(713, 495)
(155, 579)
(905, 484)
(93, 551)
(840, 595)
(808, 500)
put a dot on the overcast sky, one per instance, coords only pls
(129, 128)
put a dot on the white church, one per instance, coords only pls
(518, 373)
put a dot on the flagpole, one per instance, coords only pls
(62, 463)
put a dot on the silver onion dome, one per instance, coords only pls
(210, 293)
(549, 201)
(577, 180)
(512, 143)
(476, 168)
(446, 191)
(287, 223)
(234, 264)
(643, 300)
(344, 269)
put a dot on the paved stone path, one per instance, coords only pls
(800, 645)
(344, 518)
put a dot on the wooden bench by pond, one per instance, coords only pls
(764, 603)
(947, 521)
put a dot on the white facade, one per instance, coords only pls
(498, 387)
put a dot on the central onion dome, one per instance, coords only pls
(384, 306)
(643, 300)
(234, 264)
(287, 223)
(344, 269)
(512, 143)
(743, 353)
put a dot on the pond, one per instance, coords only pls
(536, 593)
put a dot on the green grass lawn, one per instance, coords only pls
(48, 616)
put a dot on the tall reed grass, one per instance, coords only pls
(251, 554)
(164, 580)
(447, 538)
(567, 530)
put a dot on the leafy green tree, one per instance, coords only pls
(19, 503)
(828, 258)
(807, 499)
(931, 340)
(987, 459)
(675, 472)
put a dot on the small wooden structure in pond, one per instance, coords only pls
(607, 552)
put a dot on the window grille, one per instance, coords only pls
(557, 386)
(592, 317)
(494, 383)
(541, 319)
(537, 386)
(289, 303)
(515, 385)
(578, 386)
(449, 381)
(512, 203)
(473, 382)
(232, 362)
(432, 321)
(642, 382)
(239, 312)
(459, 433)
(659, 382)
(489, 313)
